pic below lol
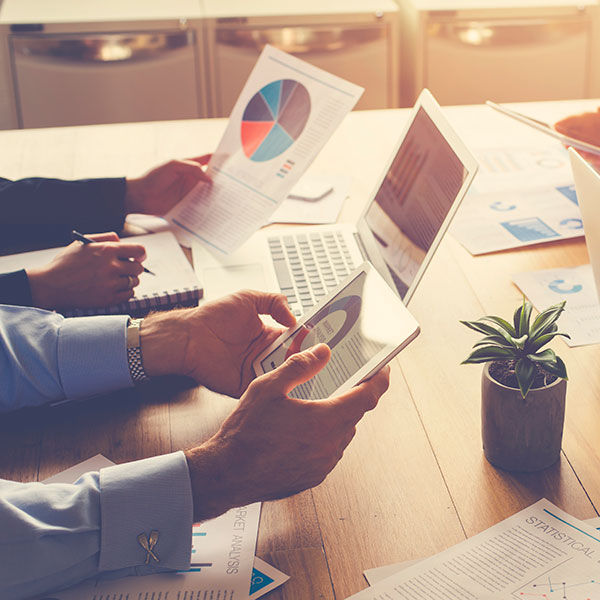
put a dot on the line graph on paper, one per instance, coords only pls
(563, 590)
(563, 583)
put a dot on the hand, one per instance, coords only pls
(160, 189)
(215, 343)
(88, 275)
(273, 446)
(584, 127)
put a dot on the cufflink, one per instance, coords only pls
(148, 543)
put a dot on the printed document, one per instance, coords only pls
(520, 197)
(581, 317)
(376, 574)
(286, 112)
(528, 556)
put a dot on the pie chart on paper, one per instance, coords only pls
(274, 119)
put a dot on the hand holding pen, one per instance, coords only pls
(101, 272)
(86, 240)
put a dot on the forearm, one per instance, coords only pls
(56, 535)
(46, 358)
(44, 211)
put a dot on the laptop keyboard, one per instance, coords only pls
(309, 265)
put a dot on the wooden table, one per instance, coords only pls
(414, 480)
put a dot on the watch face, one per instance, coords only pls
(133, 333)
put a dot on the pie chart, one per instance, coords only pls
(274, 119)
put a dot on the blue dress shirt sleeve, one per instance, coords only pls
(56, 535)
(46, 358)
(15, 288)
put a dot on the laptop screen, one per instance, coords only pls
(414, 199)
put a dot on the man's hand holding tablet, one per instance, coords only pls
(363, 322)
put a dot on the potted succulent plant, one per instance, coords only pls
(523, 388)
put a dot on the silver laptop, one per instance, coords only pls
(414, 200)
(587, 186)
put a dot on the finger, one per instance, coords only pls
(189, 168)
(122, 296)
(127, 283)
(298, 368)
(128, 267)
(127, 250)
(273, 304)
(364, 397)
(202, 160)
(109, 236)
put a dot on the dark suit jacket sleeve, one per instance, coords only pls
(15, 289)
(41, 212)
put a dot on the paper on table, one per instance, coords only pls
(265, 578)
(492, 221)
(315, 212)
(284, 115)
(581, 317)
(376, 574)
(222, 557)
(520, 197)
(521, 167)
(520, 557)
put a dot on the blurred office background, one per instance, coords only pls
(73, 62)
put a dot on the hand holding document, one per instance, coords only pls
(285, 114)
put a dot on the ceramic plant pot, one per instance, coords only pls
(522, 434)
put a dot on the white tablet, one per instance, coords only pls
(363, 322)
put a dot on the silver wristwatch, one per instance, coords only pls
(134, 352)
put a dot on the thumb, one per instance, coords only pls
(299, 367)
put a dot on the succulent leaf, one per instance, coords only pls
(547, 355)
(493, 340)
(525, 372)
(520, 342)
(546, 320)
(480, 327)
(535, 345)
(556, 367)
(517, 319)
(487, 353)
(504, 324)
(524, 317)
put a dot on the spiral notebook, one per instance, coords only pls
(174, 283)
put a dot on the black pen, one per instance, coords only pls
(86, 240)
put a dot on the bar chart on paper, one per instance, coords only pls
(274, 118)
(198, 538)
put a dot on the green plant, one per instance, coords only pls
(521, 343)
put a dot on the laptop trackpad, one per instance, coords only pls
(219, 281)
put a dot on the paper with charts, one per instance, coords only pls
(581, 317)
(541, 553)
(520, 197)
(222, 564)
(285, 113)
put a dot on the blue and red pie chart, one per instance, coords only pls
(274, 119)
